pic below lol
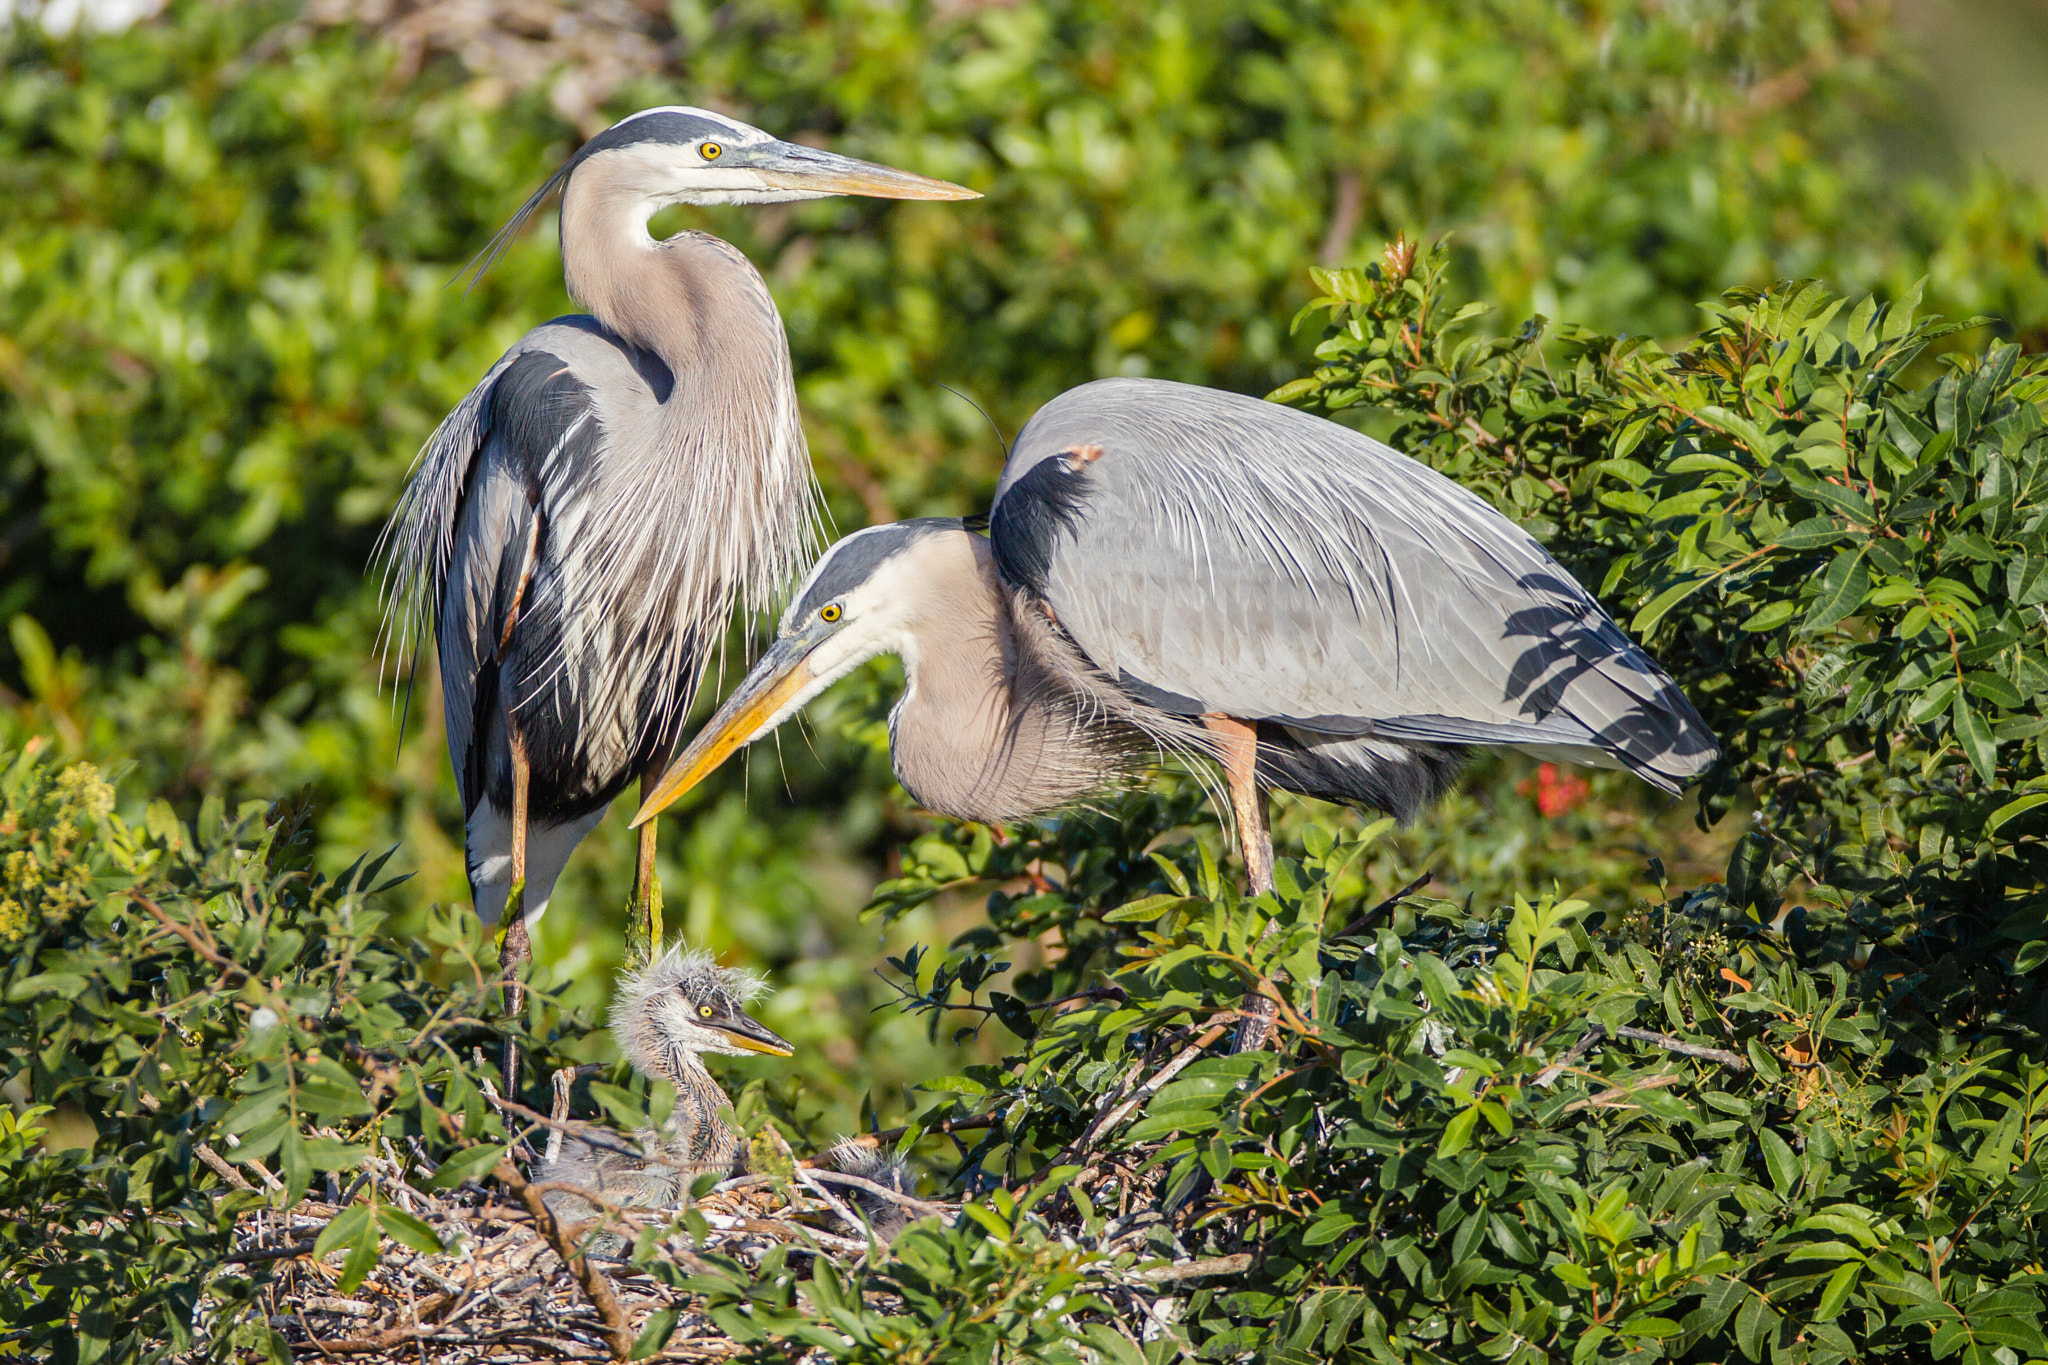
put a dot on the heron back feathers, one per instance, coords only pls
(1217, 553)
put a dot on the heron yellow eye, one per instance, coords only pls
(711, 151)
(829, 614)
(704, 1010)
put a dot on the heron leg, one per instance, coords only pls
(1238, 750)
(516, 951)
(643, 928)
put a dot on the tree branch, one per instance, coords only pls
(596, 1288)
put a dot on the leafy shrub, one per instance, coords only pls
(1845, 566)
(1802, 1126)
(199, 1000)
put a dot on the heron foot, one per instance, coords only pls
(643, 926)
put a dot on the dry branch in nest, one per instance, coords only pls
(502, 1291)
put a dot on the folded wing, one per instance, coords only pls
(1216, 553)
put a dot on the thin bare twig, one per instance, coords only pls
(191, 937)
(1114, 1116)
(269, 1254)
(809, 1180)
(618, 1327)
(1195, 1270)
(1596, 1032)
(1616, 1097)
(1734, 1061)
(1389, 903)
(922, 1208)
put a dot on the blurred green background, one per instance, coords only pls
(226, 328)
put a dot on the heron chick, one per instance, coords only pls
(666, 1017)
(1175, 568)
(580, 527)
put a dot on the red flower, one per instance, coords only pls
(1556, 790)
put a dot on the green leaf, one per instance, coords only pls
(1151, 908)
(1779, 1160)
(471, 1163)
(654, 1333)
(1741, 428)
(408, 1230)
(1770, 617)
(1660, 606)
(1811, 534)
(344, 1229)
(1840, 1286)
(1934, 700)
(1973, 735)
(1842, 589)
(1458, 1132)
(2011, 809)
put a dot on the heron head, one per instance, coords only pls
(683, 1002)
(872, 593)
(679, 155)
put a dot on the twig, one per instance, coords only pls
(562, 1079)
(383, 1341)
(1734, 1061)
(1614, 1098)
(921, 1207)
(1195, 1270)
(618, 1327)
(222, 1169)
(1596, 1031)
(192, 939)
(1144, 1092)
(1389, 903)
(1588, 1040)
(809, 1180)
(269, 1254)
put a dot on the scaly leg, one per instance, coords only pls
(1238, 749)
(516, 952)
(643, 927)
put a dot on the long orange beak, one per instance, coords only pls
(798, 167)
(782, 673)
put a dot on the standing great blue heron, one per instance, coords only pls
(1170, 567)
(581, 525)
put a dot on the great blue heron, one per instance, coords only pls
(666, 1017)
(581, 525)
(1170, 567)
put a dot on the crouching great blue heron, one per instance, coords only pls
(581, 525)
(1173, 567)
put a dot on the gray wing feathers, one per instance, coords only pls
(1273, 565)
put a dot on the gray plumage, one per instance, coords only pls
(579, 529)
(885, 1217)
(1165, 563)
(666, 1017)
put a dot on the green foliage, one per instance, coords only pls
(197, 989)
(228, 327)
(227, 330)
(1432, 1165)
(1844, 565)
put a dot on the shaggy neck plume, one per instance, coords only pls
(993, 743)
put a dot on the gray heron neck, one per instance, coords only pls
(986, 731)
(699, 1129)
(692, 299)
